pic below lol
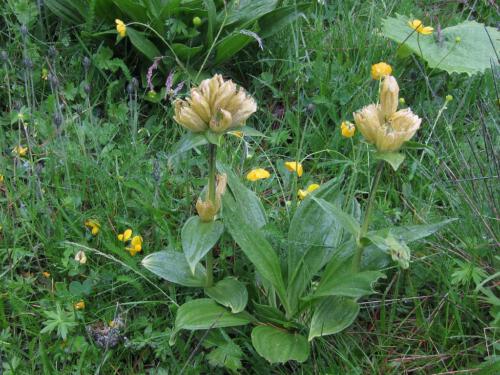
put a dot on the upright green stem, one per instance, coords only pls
(212, 158)
(366, 220)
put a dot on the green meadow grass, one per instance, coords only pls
(428, 319)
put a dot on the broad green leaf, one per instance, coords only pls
(186, 52)
(187, 142)
(212, 20)
(393, 158)
(134, 9)
(227, 355)
(374, 258)
(198, 238)
(313, 237)
(245, 12)
(249, 205)
(412, 233)
(279, 346)
(348, 284)
(229, 292)
(343, 218)
(204, 313)
(332, 315)
(277, 19)
(472, 54)
(254, 245)
(70, 11)
(172, 266)
(251, 132)
(229, 46)
(143, 44)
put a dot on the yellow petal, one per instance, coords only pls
(347, 129)
(120, 237)
(312, 187)
(127, 234)
(258, 174)
(302, 194)
(121, 28)
(380, 70)
(293, 166)
(79, 305)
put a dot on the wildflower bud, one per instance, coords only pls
(197, 21)
(4, 57)
(458, 39)
(80, 257)
(389, 96)
(28, 64)
(449, 98)
(52, 52)
(402, 101)
(207, 209)
(86, 64)
(24, 31)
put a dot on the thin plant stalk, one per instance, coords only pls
(366, 220)
(212, 158)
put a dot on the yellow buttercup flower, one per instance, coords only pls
(80, 305)
(125, 236)
(93, 225)
(258, 174)
(293, 166)
(380, 70)
(304, 193)
(20, 151)
(382, 124)
(347, 129)
(419, 27)
(215, 104)
(135, 245)
(121, 28)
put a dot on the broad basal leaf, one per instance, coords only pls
(347, 284)
(279, 346)
(473, 51)
(198, 238)
(204, 313)
(172, 266)
(229, 292)
(332, 315)
(254, 245)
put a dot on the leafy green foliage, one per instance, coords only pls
(279, 346)
(204, 313)
(332, 315)
(198, 238)
(229, 292)
(471, 53)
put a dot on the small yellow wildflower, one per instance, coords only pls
(125, 236)
(80, 305)
(347, 129)
(46, 274)
(419, 27)
(304, 193)
(45, 74)
(80, 257)
(93, 225)
(293, 166)
(121, 28)
(135, 245)
(258, 174)
(381, 70)
(20, 151)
